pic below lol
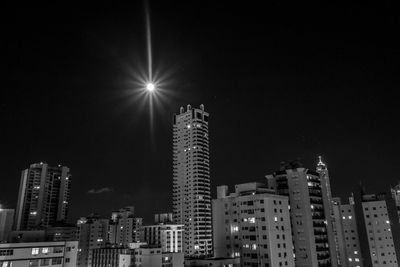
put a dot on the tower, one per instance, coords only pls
(333, 235)
(191, 180)
(43, 198)
(307, 211)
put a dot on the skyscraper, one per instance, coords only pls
(307, 212)
(44, 194)
(333, 241)
(191, 180)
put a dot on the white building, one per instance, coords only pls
(191, 180)
(6, 223)
(304, 188)
(252, 223)
(167, 236)
(60, 254)
(378, 229)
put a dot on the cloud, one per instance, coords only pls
(101, 190)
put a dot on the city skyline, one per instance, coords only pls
(270, 100)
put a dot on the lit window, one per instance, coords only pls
(350, 217)
(45, 250)
(275, 218)
(33, 213)
(357, 260)
(35, 251)
(252, 220)
(350, 259)
(253, 246)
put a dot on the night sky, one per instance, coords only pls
(281, 81)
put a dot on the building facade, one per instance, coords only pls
(307, 212)
(60, 254)
(348, 239)
(44, 195)
(6, 223)
(149, 256)
(333, 235)
(167, 236)
(124, 227)
(252, 223)
(395, 191)
(92, 234)
(379, 231)
(191, 180)
(109, 256)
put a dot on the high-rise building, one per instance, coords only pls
(334, 250)
(92, 234)
(44, 195)
(6, 223)
(124, 227)
(169, 237)
(191, 180)
(396, 196)
(307, 212)
(252, 223)
(379, 230)
(347, 233)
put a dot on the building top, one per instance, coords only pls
(245, 189)
(373, 197)
(321, 166)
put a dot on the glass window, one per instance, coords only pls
(58, 250)
(55, 261)
(35, 251)
(44, 262)
(45, 250)
(33, 263)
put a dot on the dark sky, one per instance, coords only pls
(281, 81)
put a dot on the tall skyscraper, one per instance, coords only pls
(252, 223)
(44, 194)
(6, 223)
(307, 212)
(191, 180)
(333, 241)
